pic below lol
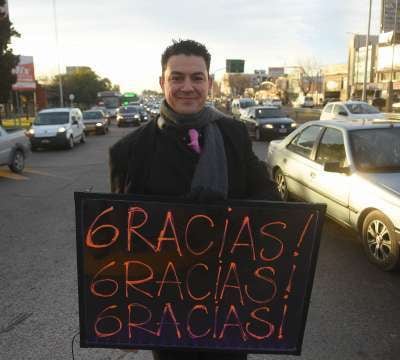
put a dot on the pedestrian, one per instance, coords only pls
(190, 151)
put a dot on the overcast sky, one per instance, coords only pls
(123, 39)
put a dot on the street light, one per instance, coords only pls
(364, 93)
(213, 78)
(390, 88)
(58, 55)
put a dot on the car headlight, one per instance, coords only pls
(293, 125)
(31, 132)
(136, 116)
(269, 126)
(62, 129)
(99, 124)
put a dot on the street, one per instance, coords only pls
(354, 311)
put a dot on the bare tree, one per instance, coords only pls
(310, 75)
(239, 83)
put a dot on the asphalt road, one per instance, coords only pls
(354, 311)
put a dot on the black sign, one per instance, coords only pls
(230, 276)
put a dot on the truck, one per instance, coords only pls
(14, 148)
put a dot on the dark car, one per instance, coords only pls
(267, 122)
(129, 115)
(95, 121)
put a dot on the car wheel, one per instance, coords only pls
(18, 162)
(70, 143)
(281, 185)
(379, 240)
(83, 138)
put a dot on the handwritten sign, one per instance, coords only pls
(230, 276)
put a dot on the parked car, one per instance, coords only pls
(353, 167)
(59, 126)
(238, 106)
(128, 115)
(14, 148)
(350, 110)
(95, 121)
(267, 122)
(304, 102)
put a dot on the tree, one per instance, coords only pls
(83, 83)
(310, 76)
(239, 83)
(8, 61)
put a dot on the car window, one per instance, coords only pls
(331, 148)
(376, 150)
(303, 143)
(338, 108)
(361, 108)
(328, 108)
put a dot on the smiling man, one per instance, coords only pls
(191, 151)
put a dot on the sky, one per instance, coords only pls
(123, 39)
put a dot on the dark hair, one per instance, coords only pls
(186, 47)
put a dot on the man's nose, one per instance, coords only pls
(187, 85)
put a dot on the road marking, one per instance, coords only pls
(11, 175)
(43, 173)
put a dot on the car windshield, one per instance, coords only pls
(111, 102)
(376, 150)
(128, 110)
(362, 109)
(269, 113)
(52, 118)
(91, 115)
(244, 104)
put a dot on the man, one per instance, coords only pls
(190, 151)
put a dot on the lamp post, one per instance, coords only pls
(364, 93)
(390, 85)
(60, 85)
(212, 75)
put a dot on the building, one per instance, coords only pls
(334, 81)
(356, 65)
(388, 16)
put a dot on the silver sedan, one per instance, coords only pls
(354, 168)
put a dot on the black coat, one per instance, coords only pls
(134, 157)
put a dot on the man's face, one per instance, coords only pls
(185, 83)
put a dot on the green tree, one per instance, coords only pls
(8, 61)
(83, 83)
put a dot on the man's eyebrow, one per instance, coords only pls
(193, 74)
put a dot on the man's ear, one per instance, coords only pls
(210, 83)
(161, 81)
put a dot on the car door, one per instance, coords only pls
(332, 188)
(75, 124)
(297, 163)
(5, 147)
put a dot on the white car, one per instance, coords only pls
(59, 126)
(349, 110)
(354, 168)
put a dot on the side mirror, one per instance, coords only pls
(336, 168)
(342, 113)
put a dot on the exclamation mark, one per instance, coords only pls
(289, 286)
(280, 336)
(296, 253)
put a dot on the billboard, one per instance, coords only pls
(25, 74)
(234, 66)
(386, 55)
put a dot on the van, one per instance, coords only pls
(59, 126)
(239, 105)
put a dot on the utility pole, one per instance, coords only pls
(60, 85)
(364, 93)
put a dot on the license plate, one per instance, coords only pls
(282, 131)
(45, 141)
